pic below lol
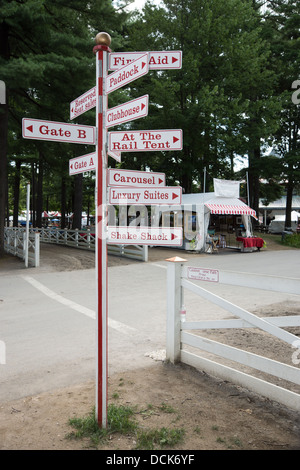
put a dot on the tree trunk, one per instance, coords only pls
(39, 195)
(17, 193)
(288, 208)
(77, 201)
(63, 201)
(3, 169)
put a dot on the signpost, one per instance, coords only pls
(162, 60)
(135, 178)
(134, 187)
(82, 164)
(58, 131)
(145, 235)
(138, 141)
(146, 195)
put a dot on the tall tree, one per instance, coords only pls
(220, 95)
(283, 22)
(46, 61)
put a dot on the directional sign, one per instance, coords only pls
(127, 74)
(144, 236)
(135, 178)
(83, 103)
(129, 111)
(157, 60)
(115, 155)
(58, 131)
(145, 195)
(82, 164)
(137, 141)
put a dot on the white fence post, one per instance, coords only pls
(37, 249)
(174, 302)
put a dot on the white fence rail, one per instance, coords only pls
(83, 239)
(17, 244)
(180, 337)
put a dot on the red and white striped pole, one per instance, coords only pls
(101, 50)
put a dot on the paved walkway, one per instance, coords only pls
(48, 318)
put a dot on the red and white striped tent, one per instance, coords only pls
(229, 206)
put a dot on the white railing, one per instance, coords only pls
(85, 240)
(180, 338)
(16, 243)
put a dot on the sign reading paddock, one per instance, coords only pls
(58, 131)
(137, 141)
(129, 111)
(161, 60)
(83, 103)
(135, 178)
(127, 74)
(145, 196)
(145, 236)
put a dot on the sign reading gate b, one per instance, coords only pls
(58, 131)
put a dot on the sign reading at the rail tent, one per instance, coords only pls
(135, 178)
(82, 164)
(127, 74)
(58, 131)
(137, 141)
(83, 103)
(145, 196)
(203, 274)
(161, 60)
(129, 111)
(144, 236)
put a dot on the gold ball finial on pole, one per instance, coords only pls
(103, 39)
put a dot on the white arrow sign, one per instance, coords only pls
(135, 178)
(144, 236)
(127, 74)
(58, 131)
(137, 141)
(82, 164)
(83, 103)
(161, 60)
(145, 196)
(129, 111)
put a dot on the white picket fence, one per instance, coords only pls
(180, 338)
(83, 239)
(16, 243)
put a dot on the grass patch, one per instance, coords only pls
(120, 419)
(292, 240)
(159, 438)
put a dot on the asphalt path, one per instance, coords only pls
(48, 327)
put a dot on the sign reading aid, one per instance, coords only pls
(149, 140)
(162, 60)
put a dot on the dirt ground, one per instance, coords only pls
(214, 414)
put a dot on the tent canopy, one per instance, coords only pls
(229, 206)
